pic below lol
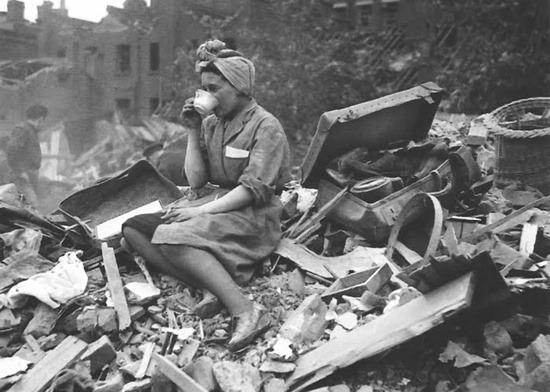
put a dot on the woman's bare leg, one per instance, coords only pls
(202, 269)
(141, 244)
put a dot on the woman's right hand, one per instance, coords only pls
(189, 117)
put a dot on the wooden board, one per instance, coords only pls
(528, 239)
(493, 226)
(115, 287)
(360, 259)
(177, 376)
(41, 375)
(383, 333)
(354, 285)
(113, 226)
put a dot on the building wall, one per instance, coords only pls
(17, 45)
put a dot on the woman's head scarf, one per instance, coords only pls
(238, 70)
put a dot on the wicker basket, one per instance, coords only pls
(522, 143)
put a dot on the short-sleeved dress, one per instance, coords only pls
(249, 150)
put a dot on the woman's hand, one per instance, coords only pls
(189, 117)
(181, 214)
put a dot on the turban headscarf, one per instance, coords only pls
(238, 70)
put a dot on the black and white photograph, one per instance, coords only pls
(275, 195)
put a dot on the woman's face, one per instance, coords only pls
(227, 95)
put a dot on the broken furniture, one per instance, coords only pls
(383, 333)
(355, 284)
(138, 186)
(416, 232)
(522, 130)
(389, 121)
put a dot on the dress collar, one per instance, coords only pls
(235, 126)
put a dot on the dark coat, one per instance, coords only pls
(23, 150)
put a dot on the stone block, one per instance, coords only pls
(99, 353)
(202, 371)
(112, 384)
(43, 321)
(307, 323)
(497, 342)
(539, 379)
(537, 353)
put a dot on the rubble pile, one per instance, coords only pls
(121, 145)
(402, 268)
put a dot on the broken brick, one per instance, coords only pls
(537, 353)
(43, 321)
(99, 353)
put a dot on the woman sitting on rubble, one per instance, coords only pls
(242, 148)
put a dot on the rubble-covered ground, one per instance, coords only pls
(480, 301)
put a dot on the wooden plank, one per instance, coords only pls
(177, 376)
(489, 228)
(40, 376)
(144, 365)
(360, 259)
(450, 240)
(408, 254)
(321, 214)
(115, 287)
(356, 284)
(387, 331)
(528, 239)
(113, 226)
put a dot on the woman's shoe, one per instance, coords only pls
(248, 326)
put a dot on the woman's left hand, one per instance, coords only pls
(173, 215)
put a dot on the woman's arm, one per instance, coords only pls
(237, 198)
(195, 167)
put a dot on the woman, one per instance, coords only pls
(219, 244)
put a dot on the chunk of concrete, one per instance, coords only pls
(497, 342)
(537, 353)
(275, 385)
(107, 321)
(202, 371)
(141, 293)
(99, 353)
(112, 384)
(539, 379)
(491, 379)
(43, 321)
(240, 377)
(308, 322)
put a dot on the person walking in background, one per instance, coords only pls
(24, 155)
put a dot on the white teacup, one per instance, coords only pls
(205, 103)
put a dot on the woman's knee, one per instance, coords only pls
(171, 251)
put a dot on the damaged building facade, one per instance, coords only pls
(118, 64)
